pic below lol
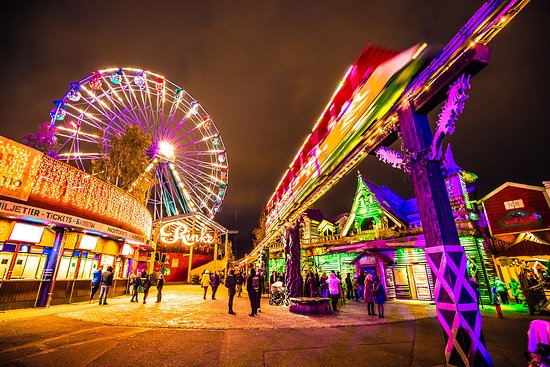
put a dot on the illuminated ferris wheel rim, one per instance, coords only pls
(103, 103)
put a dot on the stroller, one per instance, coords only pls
(278, 294)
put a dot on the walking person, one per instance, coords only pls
(334, 289)
(95, 283)
(106, 283)
(214, 283)
(253, 289)
(136, 283)
(205, 282)
(369, 296)
(231, 284)
(379, 295)
(240, 281)
(146, 281)
(160, 284)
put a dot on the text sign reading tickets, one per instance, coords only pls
(45, 216)
(174, 232)
(18, 167)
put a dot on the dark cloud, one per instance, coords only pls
(265, 70)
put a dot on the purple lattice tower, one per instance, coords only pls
(455, 299)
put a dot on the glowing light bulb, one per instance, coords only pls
(166, 149)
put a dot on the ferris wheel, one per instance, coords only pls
(188, 158)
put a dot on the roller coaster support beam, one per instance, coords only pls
(455, 299)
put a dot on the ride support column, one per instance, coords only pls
(50, 271)
(455, 299)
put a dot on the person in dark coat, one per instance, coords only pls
(240, 282)
(379, 295)
(160, 284)
(106, 283)
(253, 289)
(231, 284)
(135, 291)
(214, 283)
(146, 283)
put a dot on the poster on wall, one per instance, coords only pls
(401, 276)
(175, 262)
(421, 280)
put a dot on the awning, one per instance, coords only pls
(525, 248)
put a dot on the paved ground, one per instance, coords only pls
(186, 330)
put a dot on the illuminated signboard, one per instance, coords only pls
(88, 242)
(520, 218)
(176, 232)
(26, 233)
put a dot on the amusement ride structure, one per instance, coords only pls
(386, 95)
(188, 160)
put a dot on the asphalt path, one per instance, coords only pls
(186, 330)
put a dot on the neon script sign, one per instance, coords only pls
(520, 218)
(174, 232)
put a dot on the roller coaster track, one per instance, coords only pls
(466, 52)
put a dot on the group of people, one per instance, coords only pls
(104, 280)
(214, 279)
(363, 287)
(234, 282)
(101, 280)
(369, 289)
(144, 282)
(530, 289)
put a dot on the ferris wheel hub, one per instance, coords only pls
(166, 151)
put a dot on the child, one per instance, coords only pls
(495, 297)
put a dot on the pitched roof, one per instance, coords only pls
(315, 214)
(406, 210)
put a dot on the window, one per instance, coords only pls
(28, 266)
(513, 204)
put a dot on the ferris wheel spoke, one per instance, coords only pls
(137, 105)
(215, 167)
(115, 102)
(101, 107)
(196, 184)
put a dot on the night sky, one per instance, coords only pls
(264, 71)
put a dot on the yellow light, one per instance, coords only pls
(166, 149)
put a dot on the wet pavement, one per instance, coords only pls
(185, 329)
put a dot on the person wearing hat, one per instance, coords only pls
(205, 281)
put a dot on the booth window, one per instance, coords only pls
(28, 265)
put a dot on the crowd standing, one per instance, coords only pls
(363, 287)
